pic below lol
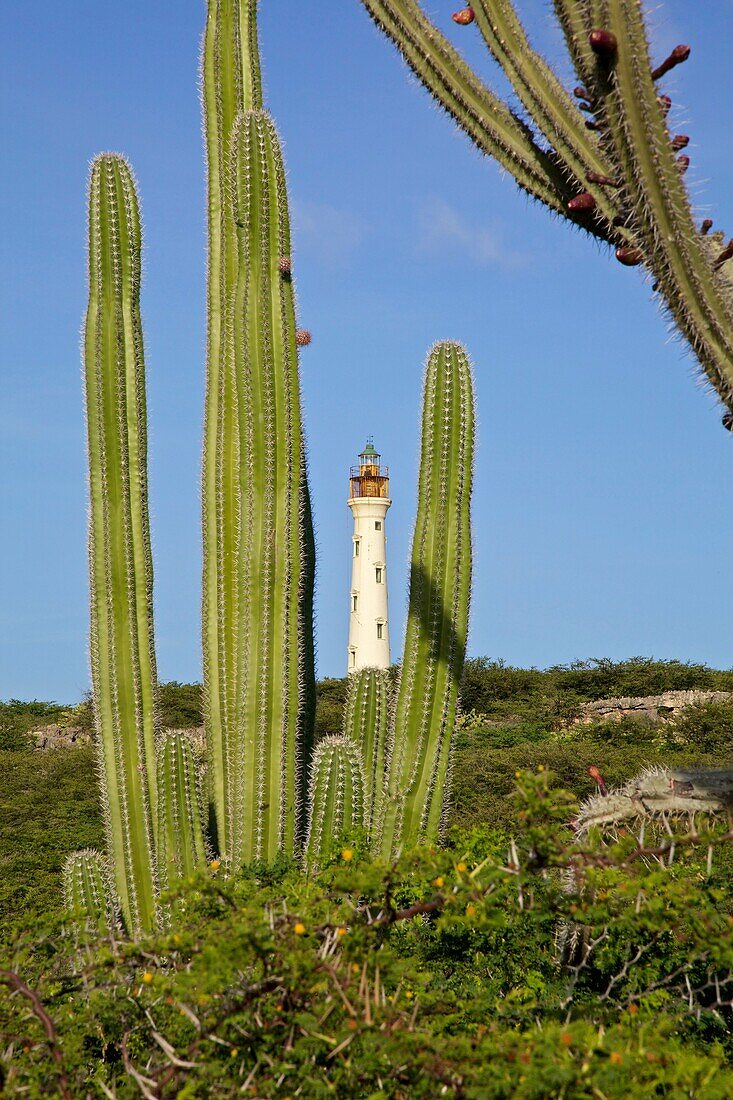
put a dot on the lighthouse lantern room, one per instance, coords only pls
(368, 605)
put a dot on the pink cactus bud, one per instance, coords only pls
(725, 255)
(678, 55)
(727, 421)
(594, 773)
(665, 103)
(303, 338)
(680, 141)
(706, 226)
(580, 92)
(629, 257)
(603, 43)
(606, 181)
(683, 162)
(463, 17)
(284, 265)
(581, 203)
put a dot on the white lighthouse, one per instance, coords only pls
(368, 615)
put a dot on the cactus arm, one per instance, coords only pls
(336, 797)
(494, 128)
(275, 554)
(365, 723)
(697, 295)
(231, 83)
(181, 843)
(121, 639)
(88, 889)
(660, 794)
(576, 23)
(554, 112)
(435, 638)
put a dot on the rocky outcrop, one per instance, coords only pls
(653, 708)
(60, 737)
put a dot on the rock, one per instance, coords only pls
(653, 708)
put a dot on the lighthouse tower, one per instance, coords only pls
(368, 618)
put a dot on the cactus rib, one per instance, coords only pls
(88, 889)
(121, 573)
(435, 638)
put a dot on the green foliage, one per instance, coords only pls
(444, 980)
(179, 706)
(18, 718)
(707, 727)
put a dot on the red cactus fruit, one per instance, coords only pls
(706, 226)
(596, 177)
(603, 43)
(678, 55)
(665, 103)
(582, 203)
(303, 338)
(683, 162)
(580, 92)
(463, 17)
(629, 257)
(680, 141)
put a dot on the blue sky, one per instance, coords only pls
(602, 516)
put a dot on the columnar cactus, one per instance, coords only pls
(120, 560)
(231, 84)
(88, 889)
(603, 157)
(365, 724)
(440, 581)
(336, 797)
(181, 844)
(258, 539)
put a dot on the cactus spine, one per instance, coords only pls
(181, 845)
(437, 622)
(365, 724)
(613, 170)
(121, 572)
(87, 889)
(275, 552)
(336, 797)
(231, 84)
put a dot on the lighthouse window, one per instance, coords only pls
(378, 574)
(380, 630)
(377, 525)
(356, 548)
(352, 657)
(354, 601)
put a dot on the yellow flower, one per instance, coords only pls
(176, 938)
(299, 929)
(340, 931)
(215, 864)
(540, 767)
(347, 854)
(355, 968)
(517, 775)
(470, 910)
(616, 1058)
(439, 881)
(408, 994)
(461, 867)
(233, 1052)
(147, 977)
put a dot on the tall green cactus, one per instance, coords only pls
(88, 889)
(181, 843)
(120, 560)
(271, 744)
(231, 84)
(437, 623)
(258, 539)
(603, 158)
(336, 797)
(365, 724)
